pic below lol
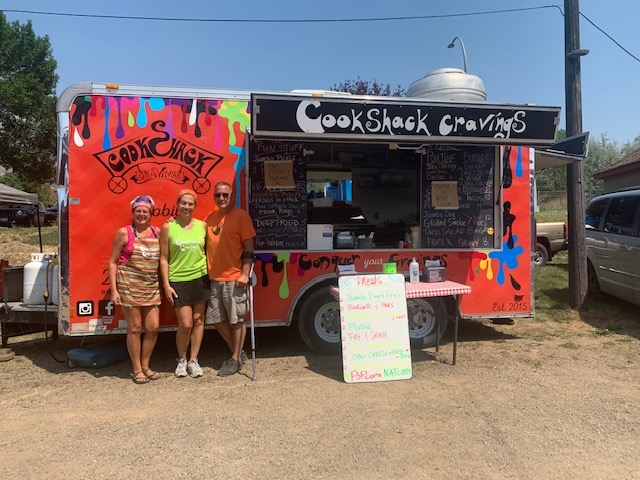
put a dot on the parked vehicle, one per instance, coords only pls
(613, 245)
(22, 215)
(551, 238)
(51, 214)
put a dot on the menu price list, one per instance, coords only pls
(374, 328)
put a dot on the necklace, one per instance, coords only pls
(216, 231)
(135, 232)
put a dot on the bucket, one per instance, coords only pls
(40, 274)
(12, 278)
(364, 243)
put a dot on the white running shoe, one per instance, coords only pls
(193, 367)
(181, 369)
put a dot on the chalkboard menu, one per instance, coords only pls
(459, 199)
(277, 202)
(374, 328)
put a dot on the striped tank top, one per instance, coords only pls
(137, 278)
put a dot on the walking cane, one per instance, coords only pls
(252, 281)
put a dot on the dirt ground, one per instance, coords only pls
(528, 401)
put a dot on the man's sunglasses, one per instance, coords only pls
(221, 195)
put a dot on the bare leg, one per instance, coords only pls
(185, 323)
(244, 335)
(151, 325)
(224, 329)
(197, 330)
(236, 335)
(134, 327)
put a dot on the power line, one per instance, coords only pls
(321, 20)
(610, 38)
(245, 20)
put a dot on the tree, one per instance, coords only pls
(27, 103)
(366, 87)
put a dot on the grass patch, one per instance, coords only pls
(570, 345)
(607, 315)
(551, 216)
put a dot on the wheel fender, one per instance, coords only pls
(323, 281)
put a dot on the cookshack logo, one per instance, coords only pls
(158, 156)
(313, 116)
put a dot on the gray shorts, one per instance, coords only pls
(226, 302)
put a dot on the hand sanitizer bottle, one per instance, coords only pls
(414, 271)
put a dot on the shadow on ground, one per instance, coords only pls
(271, 343)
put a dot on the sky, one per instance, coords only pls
(518, 54)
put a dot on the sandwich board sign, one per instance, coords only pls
(374, 328)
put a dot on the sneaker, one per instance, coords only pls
(229, 367)
(243, 358)
(181, 369)
(193, 367)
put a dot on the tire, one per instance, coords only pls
(422, 314)
(319, 322)
(593, 286)
(540, 256)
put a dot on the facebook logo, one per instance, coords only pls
(106, 308)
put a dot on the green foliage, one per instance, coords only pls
(602, 153)
(27, 102)
(366, 87)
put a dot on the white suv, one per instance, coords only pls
(613, 245)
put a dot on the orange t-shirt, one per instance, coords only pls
(224, 251)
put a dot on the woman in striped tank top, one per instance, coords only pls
(133, 278)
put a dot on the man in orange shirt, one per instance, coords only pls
(230, 247)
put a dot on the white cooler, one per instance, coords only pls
(320, 236)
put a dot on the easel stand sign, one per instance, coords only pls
(374, 325)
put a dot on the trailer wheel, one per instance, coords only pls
(423, 321)
(319, 322)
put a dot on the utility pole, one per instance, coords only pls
(575, 171)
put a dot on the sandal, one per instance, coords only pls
(150, 374)
(139, 378)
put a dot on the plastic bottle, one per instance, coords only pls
(414, 271)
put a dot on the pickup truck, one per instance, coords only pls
(551, 238)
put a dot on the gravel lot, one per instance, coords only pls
(527, 401)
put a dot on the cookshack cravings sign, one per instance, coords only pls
(402, 120)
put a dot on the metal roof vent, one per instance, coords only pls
(449, 84)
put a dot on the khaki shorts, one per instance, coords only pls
(226, 302)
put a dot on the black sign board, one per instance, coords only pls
(459, 199)
(278, 204)
(401, 120)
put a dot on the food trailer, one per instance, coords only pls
(332, 181)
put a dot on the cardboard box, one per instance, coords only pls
(433, 274)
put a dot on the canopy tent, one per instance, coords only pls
(13, 195)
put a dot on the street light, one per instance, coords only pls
(464, 51)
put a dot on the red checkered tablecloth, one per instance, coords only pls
(436, 289)
(423, 289)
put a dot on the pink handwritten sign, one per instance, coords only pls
(374, 328)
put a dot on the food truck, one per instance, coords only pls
(332, 182)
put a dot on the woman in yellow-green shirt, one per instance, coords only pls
(183, 267)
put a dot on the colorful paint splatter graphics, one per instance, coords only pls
(123, 146)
